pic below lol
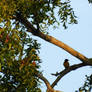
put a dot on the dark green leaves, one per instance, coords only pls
(66, 14)
(39, 12)
(87, 87)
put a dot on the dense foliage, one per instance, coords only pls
(19, 60)
(17, 69)
(40, 12)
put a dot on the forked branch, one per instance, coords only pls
(66, 71)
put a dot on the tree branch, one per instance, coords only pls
(50, 39)
(49, 88)
(66, 71)
(58, 43)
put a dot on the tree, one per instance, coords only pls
(19, 59)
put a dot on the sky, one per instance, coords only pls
(79, 37)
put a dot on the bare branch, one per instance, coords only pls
(66, 71)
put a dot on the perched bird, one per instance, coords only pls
(66, 63)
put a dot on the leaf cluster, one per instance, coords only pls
(39, 12)
(17, 53)
(87, 87)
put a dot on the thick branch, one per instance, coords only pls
(66, 71)
(50, 39)
(63, 46)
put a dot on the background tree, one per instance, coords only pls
(19, 60)
(87, 87)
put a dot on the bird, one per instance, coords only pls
(66, 63)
